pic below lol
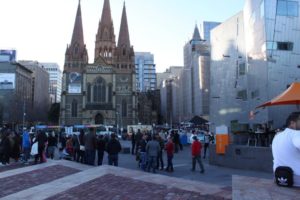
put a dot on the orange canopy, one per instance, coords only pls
(289, 96)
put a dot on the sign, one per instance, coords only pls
(7, 55)
(74, 88)
(7, 81)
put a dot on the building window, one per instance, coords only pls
(89, 91)
(242, 94)
(99, 90)
(110, 93)
(285, 46)
(242, 69)
(124, 108)
(287, 8)
(74, 108)
(254, 94)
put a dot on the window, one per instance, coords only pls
(124, 108)
(99, 90)
(74, 108)
(242, 95)
(89, 92)
(286, 46)
(110, 93)
(287, 8)
(242, 69)
(254, 94)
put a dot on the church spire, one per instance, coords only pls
(77, 36)
(124, 33)
(76, 56)
(196, 35)
(105, 39)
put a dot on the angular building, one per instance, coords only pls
(145, 71)
(195, 77)
(55, 78)
(207, 27)
(15, 94)
(40, 85)
(255, 57)
(105, 91)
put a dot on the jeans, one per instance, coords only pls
(113, 159)
(152, 163)
(197, 158)
(90, 156)
(170, 163)
(100, 157)
(143, 160)
(160, 160)
(26, 153)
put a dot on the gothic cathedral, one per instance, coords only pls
(103, 92)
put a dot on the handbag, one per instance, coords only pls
(284, 176)
(34, 149)
(81, 147)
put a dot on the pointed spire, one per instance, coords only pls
(196, 35)
(124, 33)
(77, 36)
(106, 14)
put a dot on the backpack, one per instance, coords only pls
(284, 176)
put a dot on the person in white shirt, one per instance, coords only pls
(286, 147)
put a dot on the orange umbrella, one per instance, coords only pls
(289, 96)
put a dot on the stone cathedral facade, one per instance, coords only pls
(103, 92)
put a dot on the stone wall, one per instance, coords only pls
(243, 157)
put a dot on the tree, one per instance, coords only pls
(53, 114)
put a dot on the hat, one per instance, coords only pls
(195, 138)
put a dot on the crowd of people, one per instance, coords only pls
(87, 147)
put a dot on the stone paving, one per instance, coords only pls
(116, 187)
(70, 180)
(19, 182)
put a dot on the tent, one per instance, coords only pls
(289, 96)
(198, 120)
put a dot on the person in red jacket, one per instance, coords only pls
(196, 154)
(170, 152)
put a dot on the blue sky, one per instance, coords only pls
(41, 29)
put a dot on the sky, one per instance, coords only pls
(41, 29)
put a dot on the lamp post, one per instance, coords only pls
(24, 114)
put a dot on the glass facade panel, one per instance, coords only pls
(292, 8)
(281, 7)
(262, 9)
(271, 45)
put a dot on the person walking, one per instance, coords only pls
(206, 142)
(160, 153)
(169, 147)
(152, 149)
(90, 146)
(132, 142)
(196, 154)
(113, 150)
(100, 148)
(52, 144)
(26, 144)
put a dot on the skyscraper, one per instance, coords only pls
(145, 71)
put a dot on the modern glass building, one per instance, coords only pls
(207, 27)
(55, 79)
(145, 71)
(255, 56)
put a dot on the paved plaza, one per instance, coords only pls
(62, 179)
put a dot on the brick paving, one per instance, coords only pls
(14, 166)
(23, 181)
(113, 187)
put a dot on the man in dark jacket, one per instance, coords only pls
(90, 146)
(113, 149)
(101, 143)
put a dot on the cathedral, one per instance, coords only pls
(103, 92)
